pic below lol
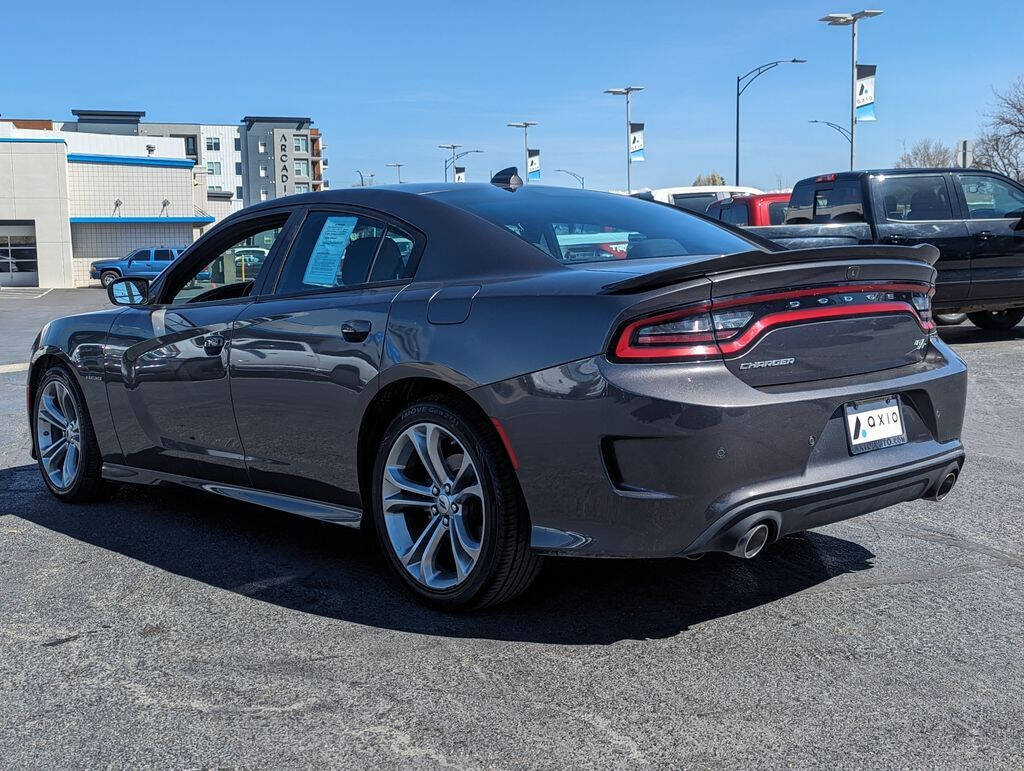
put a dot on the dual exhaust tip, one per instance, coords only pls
(750, 544)
(944, 486)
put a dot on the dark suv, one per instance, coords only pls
(974, 217)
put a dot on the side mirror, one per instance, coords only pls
(129, 290)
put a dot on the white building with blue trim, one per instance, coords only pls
(68, 198)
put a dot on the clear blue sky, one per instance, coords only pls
(389, 80)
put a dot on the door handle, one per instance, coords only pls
(985, 235)
(213, 344)
(355, 331)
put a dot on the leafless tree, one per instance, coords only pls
(714, 178)
(1001, 144)
(926, 154)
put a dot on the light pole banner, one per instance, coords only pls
(460, 173)
(865, 101)
(532, 165)
(636, 142)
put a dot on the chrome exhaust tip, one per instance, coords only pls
(751, 542)
(943, 488)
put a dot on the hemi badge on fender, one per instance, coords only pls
(853, 271)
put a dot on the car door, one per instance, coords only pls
(138, 263)
(167, 363)
(995, 220)
(913, 209)
(305, 359)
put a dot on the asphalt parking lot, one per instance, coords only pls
(165, 628)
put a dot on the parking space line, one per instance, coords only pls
(5, 368)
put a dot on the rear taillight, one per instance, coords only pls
(730, 325)
(685, 333)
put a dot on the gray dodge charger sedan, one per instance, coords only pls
(486, 374)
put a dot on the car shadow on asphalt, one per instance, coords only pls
(335, 572)
(964, 334)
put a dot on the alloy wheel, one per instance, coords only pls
(59, 433)
(433, 505)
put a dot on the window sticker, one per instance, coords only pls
(328, 252)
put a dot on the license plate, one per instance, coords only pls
(875, 424)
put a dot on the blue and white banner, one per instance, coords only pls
(532, 165)
(636, 142)
(865, 99)
(460, 173)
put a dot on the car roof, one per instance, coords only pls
(770, 197)
(845, 175)
(701, 189)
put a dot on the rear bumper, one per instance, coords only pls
(659, 460)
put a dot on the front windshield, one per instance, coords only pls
(580, 227)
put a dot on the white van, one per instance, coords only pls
(695, 198)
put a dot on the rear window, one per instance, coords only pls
(777, 212)
(735, 214)
(582, 227)
(801, 205)
(842, 202)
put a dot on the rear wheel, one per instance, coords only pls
(68, 456)
(997, 320)
(448, 511)
(107, 277)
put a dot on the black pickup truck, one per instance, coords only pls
(975, 218)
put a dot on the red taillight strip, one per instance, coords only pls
(624, 345)
(732, 302)
(810, 314)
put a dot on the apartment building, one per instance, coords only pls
(280, 156)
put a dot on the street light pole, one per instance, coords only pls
(579, 177)
(626, 91)
(844, 131)
(742, 82)
(397, 167)
(850, 20)
(453, 148)
(525, 126)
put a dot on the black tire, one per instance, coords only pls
(507, 565)
(950, 319)
(107, 277)
(997, 320)
(89, 484)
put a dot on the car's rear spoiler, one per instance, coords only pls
(711, 264)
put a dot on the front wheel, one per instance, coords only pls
(108, 277)
(68, 456)
(448, 511)
(997, 320)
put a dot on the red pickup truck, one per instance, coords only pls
(751, 210)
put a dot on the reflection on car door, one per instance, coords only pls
(304, 359)
(167, 379)
(912, 209)
(995, 211)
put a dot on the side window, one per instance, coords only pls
(139, 255)
(801, 205)
(230, 266)
(331, 251)
(990, 198)
(698, 202)
(163, 255)
(840, 203)
(913, 198)
(394, 258)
